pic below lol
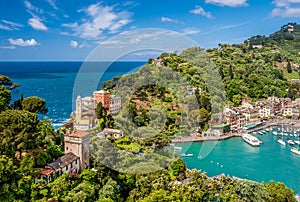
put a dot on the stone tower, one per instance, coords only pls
(78, 112)
(78, 144)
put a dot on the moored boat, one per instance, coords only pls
(187, 155)
(281, 141)
(290, 141)
(253, 141)
(295, 150)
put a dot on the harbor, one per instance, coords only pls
(286, 124)
(235, 157)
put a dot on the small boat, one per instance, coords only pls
(285, 134)
(178, 148)
(253, 141)
(295, 150)
(297, 142)
(281, 141)
(290, 141)
(268, 129)
(274, 133)
(295, 135)
(291, 135)
(187, 155)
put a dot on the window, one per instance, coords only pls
(67, 168)
(67, 148)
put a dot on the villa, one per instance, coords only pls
(76, 158)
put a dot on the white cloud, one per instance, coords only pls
(166, 19)
(53, 4)
(21, 42)
(12, 24)
(286, 8)
(36, 23)
(7, 47)
(4, 27)
(75, 44)
(230, 3)
(31, 7)
(128, 3)
(198, 10)
(190, 31)
(99, 18)
(287, 12)
(284, 3)
(9, 26)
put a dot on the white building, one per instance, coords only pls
(264, 112)
(115, 104)
(85, 115)
(287, 110)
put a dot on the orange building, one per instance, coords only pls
(103, 97)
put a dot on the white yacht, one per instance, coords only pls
(274, 133)
(295, 150)
(187, 155)
(251, 140)
(281, 141)
(297, 142)
(290, 141)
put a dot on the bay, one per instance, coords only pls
(234, 157)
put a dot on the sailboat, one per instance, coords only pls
(280, 140)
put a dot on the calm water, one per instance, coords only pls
(54, 82)
(235, 157)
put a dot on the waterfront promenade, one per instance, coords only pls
(286, 123)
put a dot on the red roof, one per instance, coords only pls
(78, 134)
(46, 171)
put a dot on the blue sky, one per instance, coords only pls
(71, 30)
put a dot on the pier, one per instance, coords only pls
(285, 123)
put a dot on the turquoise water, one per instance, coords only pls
(235, 157)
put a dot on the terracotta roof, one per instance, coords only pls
(78, 134)
(67, 159)
(61, 162)
(46, 171)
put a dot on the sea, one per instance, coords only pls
(56, 83)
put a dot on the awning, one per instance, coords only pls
(248, 127)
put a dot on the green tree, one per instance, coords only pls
(34, 104)
(289, 67)
(251, 191)
(18, 131)
(109, 190)
(279, 192)
(177, 167)
(5, 97)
